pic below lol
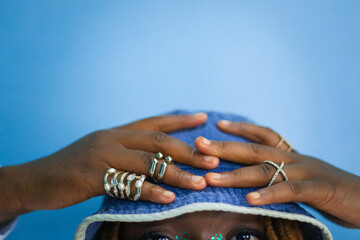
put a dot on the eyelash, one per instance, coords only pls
(247, 231)
(156, 235)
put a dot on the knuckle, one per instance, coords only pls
(271, 134)
(265, 171)
(257, 150)
(328, 194)
(222, 144)
(99, 142)
(145, 159)
(159, 138)
(268, 130)
(101, 136)
(180, 176)
(294, 188)
(233, 174)
(158, 120)
(191, 152)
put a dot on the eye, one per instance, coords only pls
(154, 236)
(247, 234)
(158, 238)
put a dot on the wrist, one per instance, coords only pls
(10, 202)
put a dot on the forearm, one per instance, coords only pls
(10, 189)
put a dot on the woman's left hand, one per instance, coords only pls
(332, 191)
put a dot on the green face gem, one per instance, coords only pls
(215, 237)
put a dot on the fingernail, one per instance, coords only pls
(168, 194)
(254, 195)
(198, 115)
(224, 122)
(197, 179)
(205, 141)
(215, 175)
(208, 158)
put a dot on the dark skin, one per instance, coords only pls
(199, 225)
(75, 173)
(332, 191)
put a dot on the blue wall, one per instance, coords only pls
(69, 68)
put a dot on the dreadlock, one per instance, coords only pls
(281, 229)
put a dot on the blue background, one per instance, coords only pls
(71, 67)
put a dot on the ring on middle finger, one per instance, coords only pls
(153, 165)
(152, 168)
(163, 166)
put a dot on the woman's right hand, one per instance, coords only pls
(75, 173)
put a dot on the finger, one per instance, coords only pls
(252, 132)
(287, 191)
(154, 193)
(149, 192)
(138, 162)
(252, 176)
(245, 153)
(167, 123)
(255, 133)
(168, 145)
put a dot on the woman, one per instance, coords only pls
(75, 174)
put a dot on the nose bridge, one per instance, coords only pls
(205, 228)
(204, 236)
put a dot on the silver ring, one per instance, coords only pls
(107, 186)
(127, 189)
(283, 140)
(152, 168)
(114, 183)
(169, 160)
(121, 185)
(279, 170)
(161, 172)
(159, 155)
(138, 184)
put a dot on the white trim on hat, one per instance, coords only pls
(196, 207)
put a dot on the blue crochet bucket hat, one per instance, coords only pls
(209, 199)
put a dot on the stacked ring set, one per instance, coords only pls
(120, 182)
(117, 188)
